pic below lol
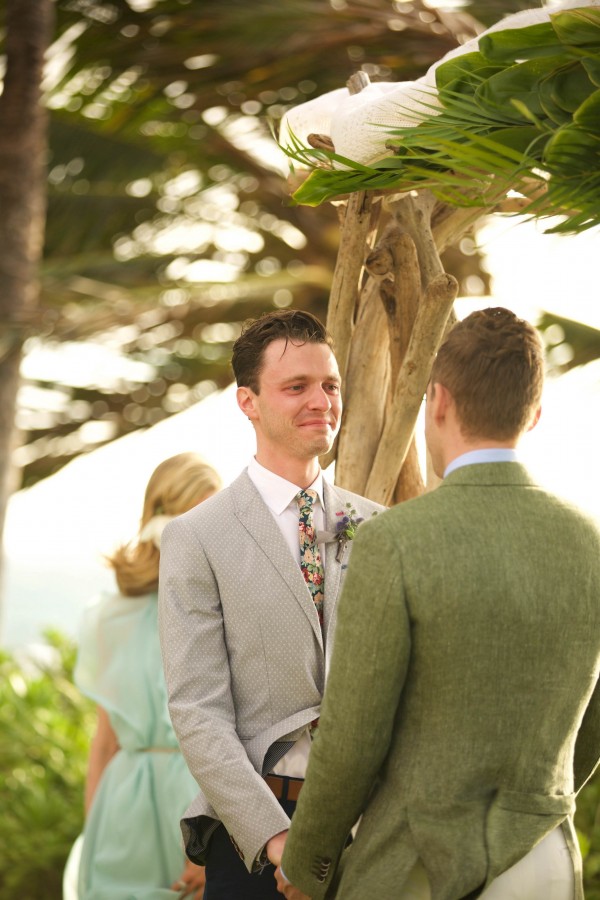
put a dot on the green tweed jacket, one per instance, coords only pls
(462, 711)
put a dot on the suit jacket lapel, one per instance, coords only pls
(333, 567)
(258, 521)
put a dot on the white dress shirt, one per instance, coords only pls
(280, 497)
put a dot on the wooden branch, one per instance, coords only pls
(410, 386)
(413, 214)
(367, 385)
(320, 142)
(513, 205)
(450, 223)
(394, 264)
(449, 229)
(532, 188)
(347, 275)
(358, 82)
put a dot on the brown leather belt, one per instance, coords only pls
(285, 788)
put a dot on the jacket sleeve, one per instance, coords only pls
(200, 700)
(368, 669)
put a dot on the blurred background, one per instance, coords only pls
(168, 224)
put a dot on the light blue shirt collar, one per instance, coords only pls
(489, 455)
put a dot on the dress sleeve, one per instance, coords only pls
(108, 625)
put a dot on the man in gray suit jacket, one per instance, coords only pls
(462, 710)
(246, 620)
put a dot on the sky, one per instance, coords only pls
(58, 530)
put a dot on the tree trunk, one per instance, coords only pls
(23, 130)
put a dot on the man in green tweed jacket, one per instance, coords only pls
(462, 711)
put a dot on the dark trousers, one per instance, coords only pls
(227, 878)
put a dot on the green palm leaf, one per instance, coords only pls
(525, 109)
(526, 43)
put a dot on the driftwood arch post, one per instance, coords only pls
(390, 304)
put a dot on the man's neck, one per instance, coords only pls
(296, 471)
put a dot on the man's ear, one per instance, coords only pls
(245, 399)
(440, 399)
(535, 419)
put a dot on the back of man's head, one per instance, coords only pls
(492, 363)
(290, 325)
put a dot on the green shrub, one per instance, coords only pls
(45, 726)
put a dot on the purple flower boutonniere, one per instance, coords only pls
(345, 529)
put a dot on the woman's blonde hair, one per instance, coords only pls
(176, 485)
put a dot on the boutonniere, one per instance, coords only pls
(345, 529)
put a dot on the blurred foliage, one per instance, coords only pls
(169, 218)
(491, 11)
(568, 343)
(45, 725)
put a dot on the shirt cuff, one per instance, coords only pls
(261, 860)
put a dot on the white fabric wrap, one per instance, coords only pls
(357, 123)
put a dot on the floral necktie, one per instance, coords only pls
(310, 558)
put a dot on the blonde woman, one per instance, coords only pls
(138, 784)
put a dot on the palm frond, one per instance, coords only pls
(523, 110)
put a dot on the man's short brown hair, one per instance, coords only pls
(290, 324)
(492, 363)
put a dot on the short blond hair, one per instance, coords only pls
(176, 485)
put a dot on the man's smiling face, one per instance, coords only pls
(296, 412)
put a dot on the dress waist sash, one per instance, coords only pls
(156, 750)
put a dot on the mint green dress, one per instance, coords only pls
(132, 846)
